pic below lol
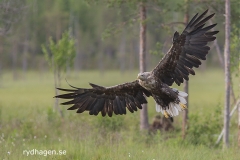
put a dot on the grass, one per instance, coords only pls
(28, 122)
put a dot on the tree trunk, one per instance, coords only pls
(56, 85)
(78, 60)
(238, 125)
(239, 107)
(1, 54)
(122, 52)
(14, 60)
(185, 84)
(227, 74)
(220, 56)
(25, 51)
(142, 61)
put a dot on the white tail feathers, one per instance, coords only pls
(158, 108)
(173, 109)
(182, 100)
(182, 94)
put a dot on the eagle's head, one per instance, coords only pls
(143, 76)
(146, 80)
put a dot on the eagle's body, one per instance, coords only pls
(163, 95)
(186, 52)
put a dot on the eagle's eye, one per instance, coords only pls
(140, 76)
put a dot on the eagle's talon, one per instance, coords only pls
(183, 106)
(166, 114)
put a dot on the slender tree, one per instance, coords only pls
(59, 55)
(142, 60)
(239, 117)
(185, 84)
(227, 74)
(239, 98)
(237, 42)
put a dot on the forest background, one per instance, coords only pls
(106, 35)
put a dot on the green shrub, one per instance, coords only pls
(204, 128)
(27, 129)
(114, 123)
(0, 114)
(51, 115)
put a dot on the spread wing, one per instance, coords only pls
(107, 100)
(186, 52)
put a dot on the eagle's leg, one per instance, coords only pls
(183, 106)
(166, 114)
(161, 107)
(172, 105)
(179, 96)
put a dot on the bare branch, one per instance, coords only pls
(220, 56)
(233, 110)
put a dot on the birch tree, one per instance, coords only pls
(59, 55)
(142, 60)
(227, 74)
(185, 84)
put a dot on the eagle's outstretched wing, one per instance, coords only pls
(186, 52)
(107, 100)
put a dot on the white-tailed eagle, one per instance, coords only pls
(185, 53)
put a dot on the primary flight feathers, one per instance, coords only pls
(107, 100)
(185, 53)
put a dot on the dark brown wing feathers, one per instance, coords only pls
(107, 100)
(186, 52)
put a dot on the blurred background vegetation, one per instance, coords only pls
(106, 35)
(106, 32)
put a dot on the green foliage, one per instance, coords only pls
(235, 38)
(88, 19)
(110, 30)
(51, 115)
(235, 48)
(29, 122)
(203, 128)
(158, 50)
(27, 129)
(53, 119)
(114, 123)
(119, 3)
(0, 113)
(60, 55)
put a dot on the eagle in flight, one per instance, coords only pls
(185, 53)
